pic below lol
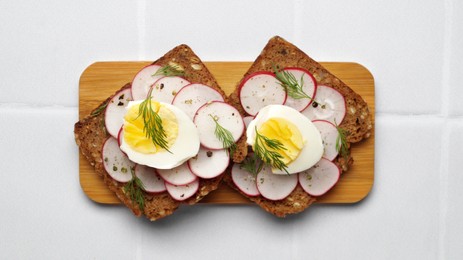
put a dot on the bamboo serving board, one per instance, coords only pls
(102, 79)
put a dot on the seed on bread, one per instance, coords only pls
(196, 66)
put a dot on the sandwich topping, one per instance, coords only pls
(224, 135)
(164, 134)
(285, 139)
(150, 127)
(290, 137)
(287, 134)
(191, 133)
(292, 85)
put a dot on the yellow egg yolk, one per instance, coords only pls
(134, 134)
(287, 134)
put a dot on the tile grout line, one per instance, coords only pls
(447, 54)
(418, 116)
(443, 190)
(444, 169)
(36, 107)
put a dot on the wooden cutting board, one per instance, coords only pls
(102, 79)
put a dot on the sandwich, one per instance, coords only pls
(164, 139)
(301, 123)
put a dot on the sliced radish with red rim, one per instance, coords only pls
(328, 105)
(115, 111)
(329, 134)
(309, 87)
(143, 80)
(193, 96)
(182, 192)
(165, 88)
(244, 180)
(275, 186)
(115, 162)
(179, 175)
(119, 136)
(209, 115)
(209, 163)
(152, 182)
(260, 89)
(119, 139)
(319, 179)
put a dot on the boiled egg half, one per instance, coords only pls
(301, 140)
(181, 136)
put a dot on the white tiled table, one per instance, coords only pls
(413, 49)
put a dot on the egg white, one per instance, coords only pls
(185, 146)
(312, 150)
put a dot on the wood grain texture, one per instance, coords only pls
(102, 79)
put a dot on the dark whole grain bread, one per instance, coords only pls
(357, 122)
(90, 135)
(296, 202)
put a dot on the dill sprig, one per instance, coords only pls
(289, 82)
(99, 109)
(152, 123)
(224, 135)
(342, 147)
(252, 164)
(134, 188)
(265, 148)
(169, 71)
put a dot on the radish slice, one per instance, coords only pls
(182, 192)
(143, 80)
(119, 137)
(115, 111)
(275, 186)
(260, 89)
(115, 162)
(244, 180)
(247, 120)
(152, 182)
(209, 163)
(225, 115)
(328, 105)
(329, 135)
(309, 87)
(319, 179)
(179, 175)
(193, 96)
(165, 88)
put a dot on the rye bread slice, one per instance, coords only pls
(357, 122)
(90, 135)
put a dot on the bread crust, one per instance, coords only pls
(90, 135)
(357, 122)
